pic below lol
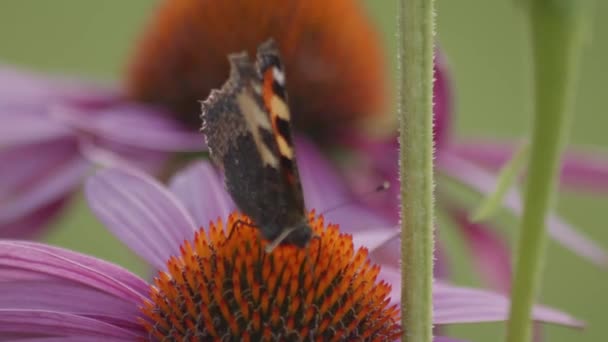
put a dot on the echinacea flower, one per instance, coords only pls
(216, 282)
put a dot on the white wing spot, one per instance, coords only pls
(279, 76)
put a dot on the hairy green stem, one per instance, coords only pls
(556, 32)
(416, 167)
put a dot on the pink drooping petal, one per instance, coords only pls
(133, 125)
(442, 102)
(581, 170)
(452, 305)
(30, 226)
(484, 182)
(52, 262)
(202, 192)
(36, 180)
(59, 181)
(467, 305)
(17, 128)
(140, 212)
(21, 167)
(490, 253)
(28, 91)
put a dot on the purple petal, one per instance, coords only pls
(46, 261)
(16, 85)
(453, 304)
(22, 165)
(491, 255)
(62, 296)
(26, 128)
(140, 212)
(30, 226)
(322, 185)
(202, 192)
(442, 102)
(483, 182)
(135, 126)
(25, 89)
(375, 238)
(374, 163)
(60, 324)
(62, 339)
(466, 305)
(383, 244)
(581, 170)
(326, 192)
(57, 183)
(585, 171)
(446, 339)
(115, 155)
(35, 182)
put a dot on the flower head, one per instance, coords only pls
(330, 288)
(224, 283)
(334, 65)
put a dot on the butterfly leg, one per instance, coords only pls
(239, 223)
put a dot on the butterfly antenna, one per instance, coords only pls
(277, 241)
(380, 188)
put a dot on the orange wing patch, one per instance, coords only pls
(278, 112)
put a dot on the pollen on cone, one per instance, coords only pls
(332, 55)
(224, 286)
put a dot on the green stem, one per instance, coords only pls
(556, 32)
(416, 167)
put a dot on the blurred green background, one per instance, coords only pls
(486, 46)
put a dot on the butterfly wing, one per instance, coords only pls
(247, 127)
(274, 95)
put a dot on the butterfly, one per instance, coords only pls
(248, 133)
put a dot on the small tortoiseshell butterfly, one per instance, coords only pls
(248, 133)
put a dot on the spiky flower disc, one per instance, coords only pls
(224, 286)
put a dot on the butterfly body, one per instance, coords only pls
(248, 132)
